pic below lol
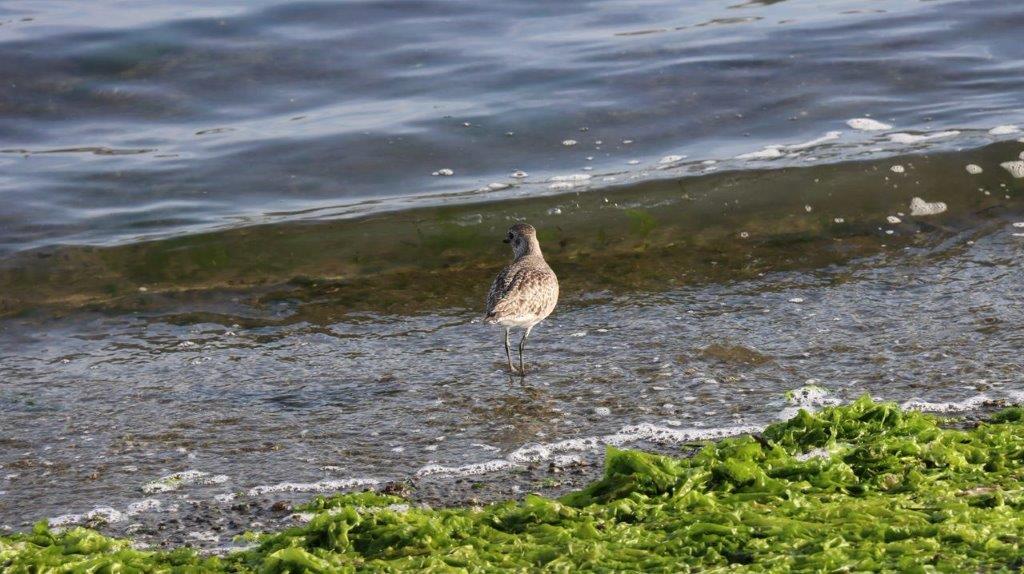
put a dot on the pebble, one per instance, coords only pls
(1016, 168)
(1003, 130)
(919, 207)
(867, 124)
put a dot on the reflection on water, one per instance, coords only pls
(119, 124)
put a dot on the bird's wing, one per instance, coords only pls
(529, 292)
(498, 288)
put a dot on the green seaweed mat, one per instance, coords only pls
(861, 487)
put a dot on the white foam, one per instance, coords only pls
(566, 459)
(830, 136)
(443, 172)
(106, 513)
(769, 152)
(519, 174)
(564, 182)
(322, 486)
(1004, 130)
(967, 404)
(468, 469)
(665, 435)
(575, 177)
(530, 453)
(557, 451)
(145, 505)
(179, 479)
(811, 395)
(897, 169)
(867, 124)
(1019, 224)
(920, 207)
(905, 138)
(892, 219)
(1016, 168)
(569, 143)
(973, 169)
(671, 159)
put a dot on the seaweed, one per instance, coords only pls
(859, 487)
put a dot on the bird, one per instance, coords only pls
(524, 293)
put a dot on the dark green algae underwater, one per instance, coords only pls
(861, 487)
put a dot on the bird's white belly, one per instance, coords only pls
(519, 322)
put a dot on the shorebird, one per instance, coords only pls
(525, 292)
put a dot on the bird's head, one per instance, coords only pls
(523, 239)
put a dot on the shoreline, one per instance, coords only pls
(471, 496)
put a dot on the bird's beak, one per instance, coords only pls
(506, 240)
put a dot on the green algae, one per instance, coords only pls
(861, 487)
(650, 235)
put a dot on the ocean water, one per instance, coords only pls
(244, 245)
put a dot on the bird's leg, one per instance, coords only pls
(522, 344)
(508, 355)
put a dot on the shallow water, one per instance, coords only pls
(149, 326)
(305, 389)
